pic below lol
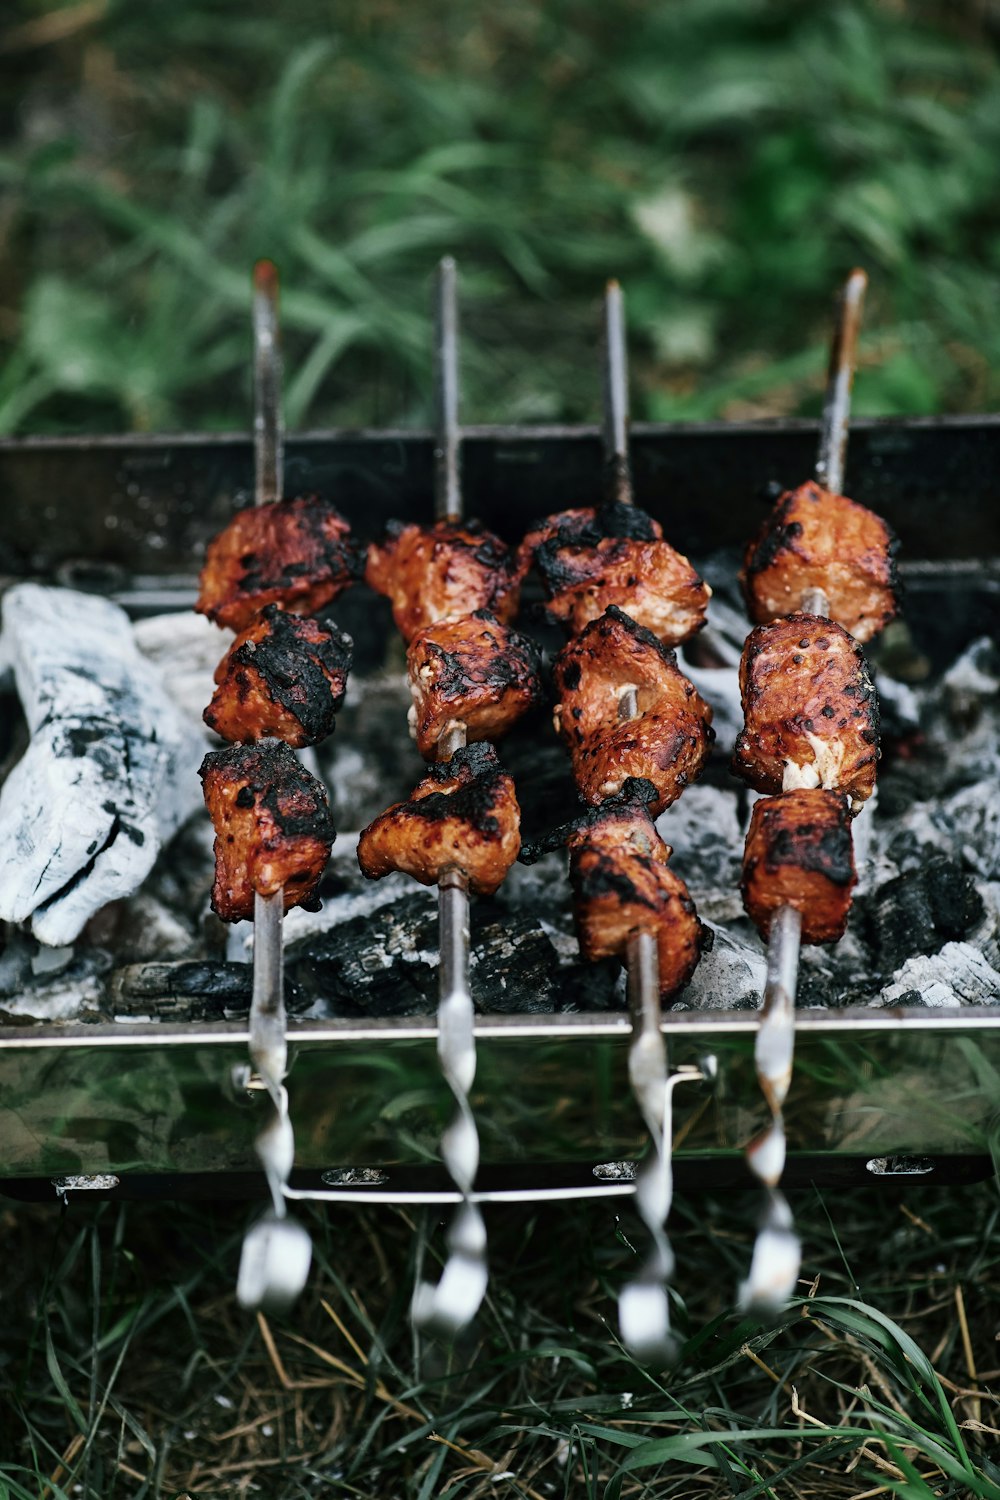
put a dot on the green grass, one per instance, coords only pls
(130, 1372)
(728, 159)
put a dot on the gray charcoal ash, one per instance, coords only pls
(970, 684)
(730, 976)
(703, 829)
(899, 708)
(370, 762)
(919, 911)
(141, 929)
(79, 992)
(958, 975)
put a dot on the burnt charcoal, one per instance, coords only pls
(78, 992)
(919, 911)
(514, 965)
(191, 990)
(386, 963)
(594, 987)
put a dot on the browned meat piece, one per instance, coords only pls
(463, 815)
(283, 677)
(473, 671)
(810, 708)
(816, 540)
(621, 884)
(669, 741)
(295, 553)
(442, 572)
(799, 853)
(590, 559)
(273, 828)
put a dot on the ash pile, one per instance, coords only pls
(924, 929)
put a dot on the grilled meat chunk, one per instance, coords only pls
(810, 708)
(284, 677)
(590, 559)
(621, 884)
(817, 540)
(273, 828)
(296, 553)
(667, 743)
(799, 853)
(442, 572)
(475, 672)
(463, 815)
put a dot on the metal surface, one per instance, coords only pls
(618, 473)
(149, 1102)
(268, 425)
(447, 457)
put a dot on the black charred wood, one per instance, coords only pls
(921, 910)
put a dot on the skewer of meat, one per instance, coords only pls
(452, 588)
(637, 731)
(820, 567)
(277, 1251)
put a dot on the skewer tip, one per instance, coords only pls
(265, 277)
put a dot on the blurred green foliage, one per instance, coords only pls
(729, 160)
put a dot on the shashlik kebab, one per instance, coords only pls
(819, 577)
(279, 685)
(453, 589)
(637, 732)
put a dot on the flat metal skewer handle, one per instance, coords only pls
(777, 1250)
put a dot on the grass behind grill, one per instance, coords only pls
(130, 1372)
(728, 159)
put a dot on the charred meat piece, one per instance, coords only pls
(817, 540)
(475, 672)
(273, 828)
(589, 560)
(799, 853)
(442, 572)
(667, 743)
(810, 708)
(295, 553)
(284, 677)
(463, 815)
(621, 884)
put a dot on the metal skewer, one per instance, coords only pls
(643, 1305)
(450, 1305)
(277, 1251)
(777, 1250)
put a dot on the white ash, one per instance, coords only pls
(958, 975)
(185, 649)
(110, 770)
(704, 830)
(730, 976)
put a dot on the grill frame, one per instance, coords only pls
(130, 516)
